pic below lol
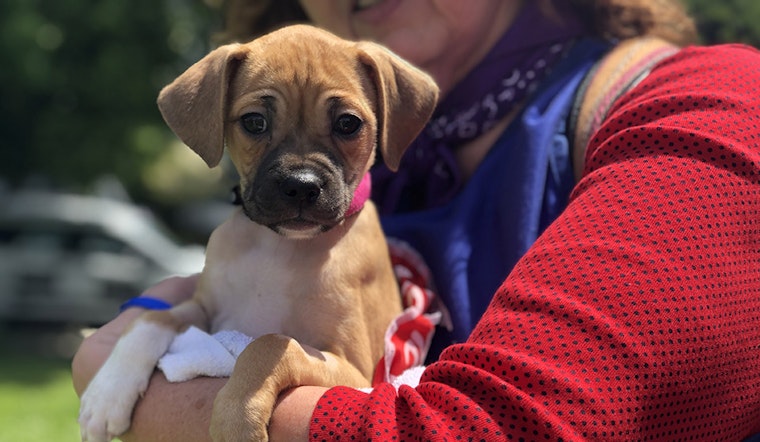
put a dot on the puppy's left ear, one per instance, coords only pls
(194, 105)
(406, 98)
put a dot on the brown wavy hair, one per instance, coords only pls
(608, 19)
(623, 19)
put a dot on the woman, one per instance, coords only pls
(626, 309)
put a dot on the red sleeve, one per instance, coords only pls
(636, 316)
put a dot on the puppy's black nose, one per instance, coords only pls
(301, 187)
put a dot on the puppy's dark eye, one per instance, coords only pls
(254, 123)
(347, 125)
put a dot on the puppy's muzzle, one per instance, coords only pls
(303, 199)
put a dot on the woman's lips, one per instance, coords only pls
(360, 5)
(374, 11)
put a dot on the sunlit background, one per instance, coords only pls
(97, 197)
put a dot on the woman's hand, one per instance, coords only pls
(96, 348)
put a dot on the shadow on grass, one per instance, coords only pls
(37, 400)
(33, 353)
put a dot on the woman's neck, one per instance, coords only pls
(470, 155)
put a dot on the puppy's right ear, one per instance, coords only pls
(406, 97)
(194, 104)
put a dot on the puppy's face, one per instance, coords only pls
(301, 134)
(301, 112)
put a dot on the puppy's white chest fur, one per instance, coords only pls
(254, 278)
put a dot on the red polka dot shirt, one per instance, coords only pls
(636, 315)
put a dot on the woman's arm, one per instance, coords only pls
(174, 411)
(634, 315)
(292, 414)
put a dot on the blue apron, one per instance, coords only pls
(473, 242)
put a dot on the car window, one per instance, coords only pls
(96, 242)
(39, 239)
(6, 234)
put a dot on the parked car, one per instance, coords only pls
(74, 259)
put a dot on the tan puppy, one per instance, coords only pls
(301, 112)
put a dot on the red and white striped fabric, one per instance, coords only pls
(408, 337)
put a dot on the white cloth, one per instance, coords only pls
(410, 376)
(196, 353)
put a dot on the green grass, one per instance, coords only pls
(37, 400)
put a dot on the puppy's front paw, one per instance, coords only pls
(106, 406)
(238, 418)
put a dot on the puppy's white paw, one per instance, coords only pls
(107, 403)
(106, 406)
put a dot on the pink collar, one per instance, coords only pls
(361, 195)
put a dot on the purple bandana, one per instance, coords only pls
(428, 175)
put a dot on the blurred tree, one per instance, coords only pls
(727, 20)
(79, 80)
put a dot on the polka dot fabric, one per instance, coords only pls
(636, 315)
